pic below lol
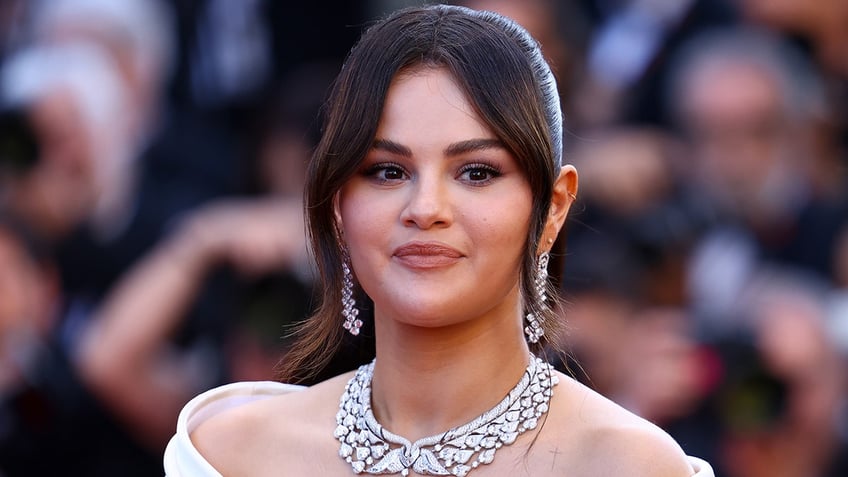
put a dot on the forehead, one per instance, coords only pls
(427, 103)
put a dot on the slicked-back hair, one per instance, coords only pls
(505, 77)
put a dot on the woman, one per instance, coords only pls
(436, 189)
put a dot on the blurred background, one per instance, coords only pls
(152, 158)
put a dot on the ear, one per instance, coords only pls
(565, 193)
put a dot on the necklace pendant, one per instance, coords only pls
(392, 463)
(409, 456)
(427, 463)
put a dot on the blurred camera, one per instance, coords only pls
(19, 150)
(751, 398)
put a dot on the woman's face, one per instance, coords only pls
(437, 216)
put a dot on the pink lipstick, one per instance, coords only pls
(423, 255)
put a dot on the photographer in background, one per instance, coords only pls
(54, 101)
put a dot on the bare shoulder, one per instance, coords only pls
(268, 436)
(603, 438)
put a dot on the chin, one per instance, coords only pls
(427, 313)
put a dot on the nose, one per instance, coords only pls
(428, 205)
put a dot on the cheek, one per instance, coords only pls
(365, 221)
(503, 227)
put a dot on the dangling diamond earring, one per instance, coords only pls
(349, 310)
(534, 328)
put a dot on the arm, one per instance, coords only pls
(125, 356)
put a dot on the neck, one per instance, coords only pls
(428, 380)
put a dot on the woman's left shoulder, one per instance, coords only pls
(610, 440)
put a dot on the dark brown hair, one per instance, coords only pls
(507, 80)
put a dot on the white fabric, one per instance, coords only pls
(183, 460)
(181, 457)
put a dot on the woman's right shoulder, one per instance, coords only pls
(242, 434)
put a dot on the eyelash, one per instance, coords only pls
(374, 171)
(492, 171)
(377, 171)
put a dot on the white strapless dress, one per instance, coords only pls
(183, 460)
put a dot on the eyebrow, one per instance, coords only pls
(472, 145)
(391, 147)
(454, 149)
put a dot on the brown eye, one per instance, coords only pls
(478, 174)
(386, 172)
(392, 173)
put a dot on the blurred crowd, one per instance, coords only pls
(152, 158)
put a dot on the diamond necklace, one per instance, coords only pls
(370, 448)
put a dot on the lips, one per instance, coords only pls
(424, 255)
